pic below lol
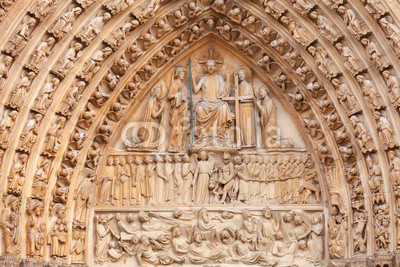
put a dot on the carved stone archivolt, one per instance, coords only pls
(157, 132)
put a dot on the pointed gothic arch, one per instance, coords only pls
(362, 144)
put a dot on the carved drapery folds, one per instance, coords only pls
(73, 74)
(263, 237)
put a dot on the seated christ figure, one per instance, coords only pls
(212, 112)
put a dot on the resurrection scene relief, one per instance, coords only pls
(210, 169)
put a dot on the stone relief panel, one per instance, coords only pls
(208, 178)
(229, 92)
(262, 237)
(218, 102)
(209, 138)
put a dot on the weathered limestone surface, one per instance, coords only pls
(218, 132)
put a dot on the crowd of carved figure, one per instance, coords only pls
(174, 179)
(201, 236)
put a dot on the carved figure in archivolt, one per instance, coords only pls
(71, 99)
(179, 99)
(64, 24)
(59, 234)
(43, 101)
(92, 29)
(41, 54)
(35, 228)
(54, 136)
(6, 125)
(10, 224)
(17, 43)
(5, 64)
(30, 132)
(16, 178)
(82, 196)
(41, 179)
(65, 63)
(19, 94)
(212, 112)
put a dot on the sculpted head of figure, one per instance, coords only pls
(203, 215)
(264, 92)
(316, 219)
(110, 161)
(279, 235)
(138, 160)
(164, 239)
(298, 220)
(360, 79)
(198, 237)
(211, 66)
(227, 157)
(106, 16)
(386, 74)
(242, 74)
(144, 240)
(159, 159)
(8, 60)
(12, 202)
(177, 158)
(135, 239)
(288, 217)
(177, 213)
(267, 212)
(180, 73)
(237, 160)
(149, 159)
(168, 158)
(116, 161)
(186, 158)
(246, 214)
(24, 158)
(60, 211)
(130, 218)
(37, 209)
(392, 154)
(118, 216)
(158, 92)
(203, 155)
(314, 15)
(303, 245)
(143, 216)
(246, 159)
